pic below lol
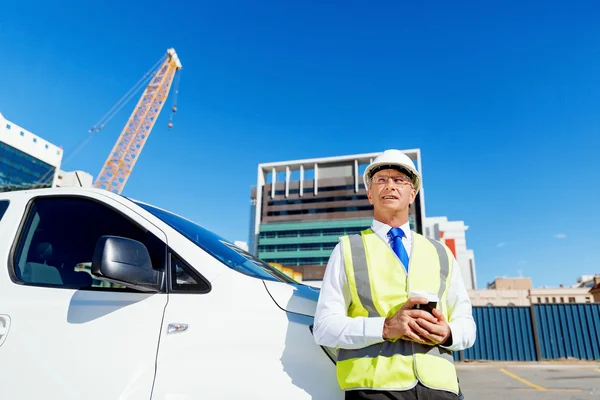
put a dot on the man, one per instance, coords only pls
(388, 349)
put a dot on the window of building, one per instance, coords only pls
(320, 210)
(54, 250)
(317, 200)
(267, 235)
(310, 246)
(539, 300)
(588, 300)
(287, 234)
(46, 146)
(334, 232)
(282, 192)
(547, 300)
(571, 299)
(310, 189)
(562, 299)
(554, 299)
(22, 133)
(296, 262)
(7, 126)
(310, 232)
(269, 248)
(287, 247)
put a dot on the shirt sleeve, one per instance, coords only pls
(333, 328)
(460, 312)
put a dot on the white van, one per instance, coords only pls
(103, 297)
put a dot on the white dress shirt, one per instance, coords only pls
(333, 328)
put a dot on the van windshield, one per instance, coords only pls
(220, 248)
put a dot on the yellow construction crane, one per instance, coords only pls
(127, 149)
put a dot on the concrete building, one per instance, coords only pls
(595, 290)
(503, 292)
(560, 295)
(521, 283)
(452, 233)
(498, 298)
(25, 158)
(300, 208)
(520, 292)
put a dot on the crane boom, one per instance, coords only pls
(127, 149)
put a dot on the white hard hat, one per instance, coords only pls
(393, 159)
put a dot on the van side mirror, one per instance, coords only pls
(125, 262)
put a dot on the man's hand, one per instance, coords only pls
(435, 333)
(400, 325)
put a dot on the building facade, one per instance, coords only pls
(520, 292)
(560, 295)
(300, 208)
(26, 160)
(595, 290)
(453, 234)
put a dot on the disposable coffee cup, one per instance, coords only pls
(432, 299)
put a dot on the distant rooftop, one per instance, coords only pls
(365, 158)
(318, 169)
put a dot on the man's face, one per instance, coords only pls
(391, 190)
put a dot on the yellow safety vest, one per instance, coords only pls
(379, 286)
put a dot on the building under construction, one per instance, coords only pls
(300, 208)
(26, 160)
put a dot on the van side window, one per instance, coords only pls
(3, 207)
(184, 279)
(58, 240)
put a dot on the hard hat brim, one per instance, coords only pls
(408, 171)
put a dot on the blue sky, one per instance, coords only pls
(503, 100)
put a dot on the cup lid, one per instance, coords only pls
(432, 297)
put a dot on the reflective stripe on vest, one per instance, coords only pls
(396, 364)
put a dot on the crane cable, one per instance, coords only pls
(175, 93)
(106, 118)
(127, 96)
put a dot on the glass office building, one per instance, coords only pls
(20, 169)
(26, 160)
(299, 209)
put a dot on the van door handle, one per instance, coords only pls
(4, 327)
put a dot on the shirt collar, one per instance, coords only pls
(382, 229)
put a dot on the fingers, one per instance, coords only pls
(421, 314)
(437, 332)
(434, 329)
(415, 337)
(419, 330)
(430, 337)
(410, 303)
(438, 314)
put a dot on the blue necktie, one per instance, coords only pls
(396, 235)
